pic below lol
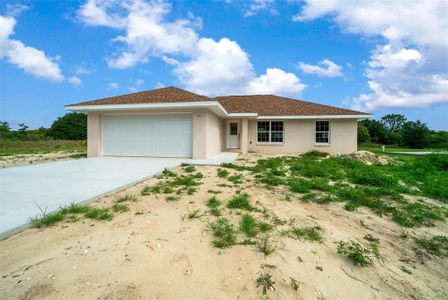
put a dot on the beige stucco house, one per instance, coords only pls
(170, 122)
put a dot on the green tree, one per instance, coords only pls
(72, 126)
(376, 129)
(5, 130)
(393, 122)
(363, 134)
(416, 134)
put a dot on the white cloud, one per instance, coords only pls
(216, 68)
(112, 86)
(325, 68)
(75, 81)
(15, 9)
(83, 70)
(29, 59)
(257, 6)
(139, 81)
(410, 69)
(276, 81)
(201, 64)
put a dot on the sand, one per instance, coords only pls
(155, 252)
(9, 161)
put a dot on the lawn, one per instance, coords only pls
(378, 148)
(12, 147)
(289, 227)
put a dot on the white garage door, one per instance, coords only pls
(167, 135)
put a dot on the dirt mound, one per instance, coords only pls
(369, 158)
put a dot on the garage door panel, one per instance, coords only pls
(148, 135)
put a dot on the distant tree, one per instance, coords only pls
(376, 129)
(5, 129)
(363, 134)
(72, 126)
(439, 139)
(393, 122)
(23, 127)
(416, 134)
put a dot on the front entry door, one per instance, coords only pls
(233, 134)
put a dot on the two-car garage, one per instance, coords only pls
(157, 135)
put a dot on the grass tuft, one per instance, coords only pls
(224, 233)
(240, 202)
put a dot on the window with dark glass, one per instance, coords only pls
(270, 132)
(322, 132)
(233, 128)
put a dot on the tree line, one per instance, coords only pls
(395, 129)
(72, 126)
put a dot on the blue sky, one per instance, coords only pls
(366, 56)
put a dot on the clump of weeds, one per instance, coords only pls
(358, 254)
(266, 283)
(224, 233)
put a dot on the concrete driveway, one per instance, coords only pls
(57, 184)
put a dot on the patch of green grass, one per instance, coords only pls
(418, 214)
(358, 254)
(15, 147)
(47, 219)
(240, 202)
(224, 233)
(222, 173)
(436, 245)
(294, 283)
(264, 227)
(235, 179)
(126, 197)
(248, 225)
(265, 245)
(148, 190)
(406, 270)
(314, 154)
(312, 234)
(119, 207)
(214, 204)
(100, 214)
(191, 190)
(171, 198)
(189, 169)
(70, 212)
(168, 173)
(168, 189)
(213, 192)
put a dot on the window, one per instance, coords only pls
(270, 132)
(322, 132)
(233, 128)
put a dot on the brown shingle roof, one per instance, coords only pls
(270, 105)
(264, 105)
(162, 95)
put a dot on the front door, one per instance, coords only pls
(233, 134)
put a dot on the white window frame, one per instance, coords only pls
(316, 132)
(270, 132)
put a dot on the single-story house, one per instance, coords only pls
(171, 122)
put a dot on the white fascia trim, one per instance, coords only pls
(243, 115)
(315, 117)
(117, 107)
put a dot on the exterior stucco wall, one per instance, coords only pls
(208, 135)
(94, 134)
(214, 134)
(299, 137)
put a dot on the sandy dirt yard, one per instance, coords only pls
(18, 160)
(156, 251)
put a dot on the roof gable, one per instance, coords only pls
(169, 94)
(271, 105)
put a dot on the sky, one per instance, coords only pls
(374, 56)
